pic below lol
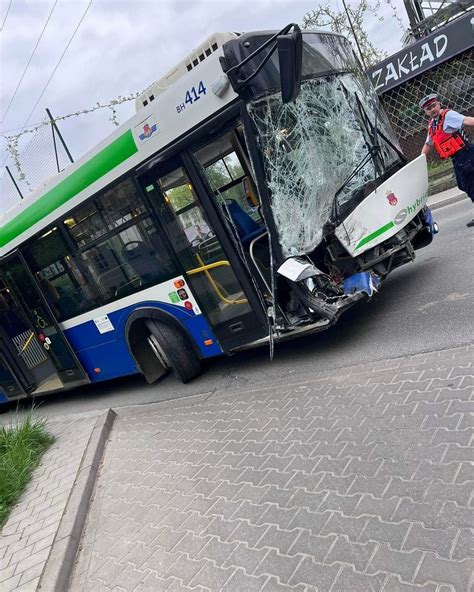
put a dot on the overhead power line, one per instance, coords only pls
(5, 18)
(57, 65)
(3, 133)
(29, 62)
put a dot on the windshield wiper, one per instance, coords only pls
(373, 128)
(371, 154)
(374, 153)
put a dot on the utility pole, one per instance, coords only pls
(427, 15)
(354, 35)
(14, 182)
(414, 12)
(55, 130)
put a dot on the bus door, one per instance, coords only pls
(214, 271)
(16, 380)
(34, 355)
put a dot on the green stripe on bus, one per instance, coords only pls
(98, 166)
(375, 234)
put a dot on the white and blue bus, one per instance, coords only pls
(256, 194)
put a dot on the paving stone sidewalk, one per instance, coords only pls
(27, 537)
(356, 480)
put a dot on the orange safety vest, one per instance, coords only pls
(446, 144)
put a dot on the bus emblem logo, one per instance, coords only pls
(392, 198)
(146, 129)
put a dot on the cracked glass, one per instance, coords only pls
(315, 148)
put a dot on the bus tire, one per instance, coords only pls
(176, 349)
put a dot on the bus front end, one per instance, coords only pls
(341, 205)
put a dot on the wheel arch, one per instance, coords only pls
(136, 336)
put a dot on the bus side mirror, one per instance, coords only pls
(290, 57)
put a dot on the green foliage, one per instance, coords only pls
(217, 175)
(21, 447)
(326, 16)
(180, 197)
(439, 166)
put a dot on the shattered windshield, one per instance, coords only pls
(315, 148)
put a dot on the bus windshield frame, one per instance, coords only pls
(323, 153)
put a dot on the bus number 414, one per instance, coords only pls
(192, 96)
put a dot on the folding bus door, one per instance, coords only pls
(214, 270)
(34, 353)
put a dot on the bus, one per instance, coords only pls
(257, 193)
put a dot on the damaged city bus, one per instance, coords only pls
(256, 194)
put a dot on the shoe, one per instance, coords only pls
(471, 223)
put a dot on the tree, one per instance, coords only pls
(217, 175)
(326, 16)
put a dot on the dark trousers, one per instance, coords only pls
(463, 163)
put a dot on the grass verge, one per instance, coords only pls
(438, 168)
(21, 447)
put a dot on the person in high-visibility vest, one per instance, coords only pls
(446, 135)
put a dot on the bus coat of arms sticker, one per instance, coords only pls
(146, 129)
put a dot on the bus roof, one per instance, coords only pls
(177, 102)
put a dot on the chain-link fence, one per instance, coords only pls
(35, 157)
(35, 154)
(452, 80)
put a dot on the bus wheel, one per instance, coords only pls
(173, 350)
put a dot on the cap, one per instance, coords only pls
(425, 101)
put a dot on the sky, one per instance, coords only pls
(68, 55)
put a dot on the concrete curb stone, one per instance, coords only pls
(447, 201)
(61, 558)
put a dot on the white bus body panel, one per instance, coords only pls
(386, 210)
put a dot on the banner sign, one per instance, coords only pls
(444, 43)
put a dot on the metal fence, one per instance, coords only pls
(39, 155)
(453, 80)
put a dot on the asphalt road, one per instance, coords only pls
(424, 306)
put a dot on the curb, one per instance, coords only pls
(60, 562)
(447, 201)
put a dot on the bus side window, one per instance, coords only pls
(61, 280)
(227, 171)
(131, 259)
(105, 213)
(120, 204)
(118, 243)
(114, 250)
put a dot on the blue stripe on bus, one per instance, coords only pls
(3, 397)
(109, 351)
